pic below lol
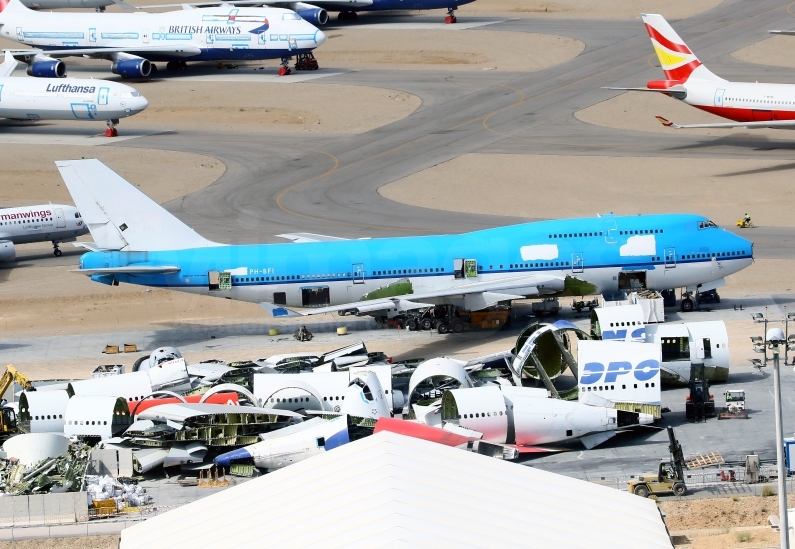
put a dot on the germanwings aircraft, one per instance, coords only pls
(52, 222)
(66, 99)
(131, 41)
(138, 242)
(748, 104)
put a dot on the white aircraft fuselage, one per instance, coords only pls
(45, 223)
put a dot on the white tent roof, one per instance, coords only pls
(388, 490)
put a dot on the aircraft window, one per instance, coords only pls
(60, 416)
(623, 386)
(647, 385)
(612, 387)
(442, 269)
(104, 423)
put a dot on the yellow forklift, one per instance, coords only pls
(8, 418)
(670, 477)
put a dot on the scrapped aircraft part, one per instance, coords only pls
(427, 415)
(574, 287)
(185, 454)
(146, 459)
(132, 387)
(162, 354)
(31, 448)
(480, 409)
(418, 430)
(99, 417)
(398, 288)
(365, 397)
(42, 411)
(152, 395)
(230, 388)
(273, 401)
(431, 378)
(624, 323)
(594, 440)
(550, 346)
(218, 398)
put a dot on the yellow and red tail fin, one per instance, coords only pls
(677, 60)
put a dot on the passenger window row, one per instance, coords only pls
(22, 221)
(88, 422)
(642, 231)
(532, 265)
(48, 417)
(575, 235)
(486, 414)
(612, 387)
(710, 255)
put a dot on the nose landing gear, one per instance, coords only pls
(55, 250)
(284, 69)
(111, 131)
(450, 18)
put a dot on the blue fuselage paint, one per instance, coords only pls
(669, 251)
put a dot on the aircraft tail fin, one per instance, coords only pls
(10, 6)
(677, 60)
(119, 216)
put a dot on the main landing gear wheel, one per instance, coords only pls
(55, 250)
(687, 305)
(450, 18)
(111, 131)
(347, 16)
(284, 69)
(175, 66)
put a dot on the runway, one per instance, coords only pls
(328, 184)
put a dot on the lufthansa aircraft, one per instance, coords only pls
(51, 222)
(66, 99)
(748, 104)
(131, 41)
(139, 242)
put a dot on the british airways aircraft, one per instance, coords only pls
(748, 104)
(138, 242)
(131, 41)
(55, 223)
(66, 99)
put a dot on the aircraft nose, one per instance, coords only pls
(320, 37)
(140, 104)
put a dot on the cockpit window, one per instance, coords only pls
(291, 17)
(706, 224)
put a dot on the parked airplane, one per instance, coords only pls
(139, 242)
(749, 104)
(52, 222)
(133, 40)
(70, 99)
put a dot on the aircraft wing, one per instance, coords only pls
(677, 91)
(477, 295)
(780, 124)
(788, 33)
(309, 237)
(182, 50)
(8, 66)
(130, 269)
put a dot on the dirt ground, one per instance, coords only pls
(94, 542)
(637, 111)
(593, 9)
(775, 51)
(574, 186)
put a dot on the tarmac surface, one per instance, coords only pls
(328, 184)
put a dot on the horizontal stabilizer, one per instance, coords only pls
(300, 238)
(676, 91)
(8, 66)
(130, 269)
(780, 124)
(119, 216)
(595, 439)
(278, 311)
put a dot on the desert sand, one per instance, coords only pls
(590, 9)
(575, 186)
(775, 51)
(29, 175)
(637, 110)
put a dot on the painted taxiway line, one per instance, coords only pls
(46, 136)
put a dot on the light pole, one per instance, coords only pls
(775, 338)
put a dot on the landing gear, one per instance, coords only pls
(284, 69)
(174, 66)
(347, 16)
(305, 62)
(111, 131)
(450, 18)
(100, 9)
(56, 251)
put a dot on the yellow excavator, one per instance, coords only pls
(8, 418)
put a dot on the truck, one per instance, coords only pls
(670, 475)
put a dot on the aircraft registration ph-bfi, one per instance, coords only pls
(55, 223)
(139, 242)
(66, 99)
(133, 40)
(749, 104)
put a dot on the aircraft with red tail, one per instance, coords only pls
(747, 104)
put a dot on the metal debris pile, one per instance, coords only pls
(123, 494)
(51, 475)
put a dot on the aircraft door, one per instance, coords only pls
(358, 273)
(611, 230)
(102, 96)
(670, 257)
(20, 34)
(1, 92)
(577, 262)
(719, 97)
(60, 219)
(92, 35)
(292, 43)
(145, 35)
